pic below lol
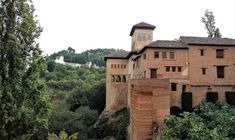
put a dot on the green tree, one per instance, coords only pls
(209, 21)
(51, 65)
(24, 109)
(62, 136)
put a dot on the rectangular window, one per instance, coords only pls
(173, 86)
(168, 69)
(203, 71)
(179, 69)
(124, 66)
(164, 55)
(133, 66)
(172, 55)
(144, 56)
(173, 69)
(156, 54)
(220, 71)
(202, 52)
(153, 73)
(183, 88)
(111, 66)
(219, 53)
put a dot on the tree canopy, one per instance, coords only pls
(24, 108)
(209, 21)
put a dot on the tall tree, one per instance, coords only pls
(209, 21)
(24, 108)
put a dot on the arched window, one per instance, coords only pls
(115, 66)
(124, 79)
(118, 66)
(118, 78)
(111, 66)
(113, 79)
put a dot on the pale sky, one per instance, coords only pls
(91, 24)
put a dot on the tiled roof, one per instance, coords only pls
(118, 54)
(167, 44)
(206, 40)
(142, 25)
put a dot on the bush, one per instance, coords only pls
(212, 97)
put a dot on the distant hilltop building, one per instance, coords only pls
(163, 77)
(60, 60)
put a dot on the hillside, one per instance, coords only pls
(95, 56)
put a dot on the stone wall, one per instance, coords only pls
(150, 104)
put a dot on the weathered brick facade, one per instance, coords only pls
(151, 78)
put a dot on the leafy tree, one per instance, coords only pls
(71, 50)
(209, 21)
(51, 65)
(24, 109)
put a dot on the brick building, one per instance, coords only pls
(151, 78)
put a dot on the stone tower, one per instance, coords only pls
(142, 35)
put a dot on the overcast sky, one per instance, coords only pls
(90, 24)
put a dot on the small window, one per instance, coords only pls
(133, 66)
(118, 66)
(164, 55)
(167, 69)
(179, 69)
(202, 52)
(111, 66)
(220, 71)
(173, 69)
(121, 66)
(173, 86)
(219, 53)
(172, 55)
(144, 56)
(124, 66)
(203, 71)
(156, 54)
(153, 73)
(115, 66)
(144, 74)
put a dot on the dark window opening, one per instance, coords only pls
(220, 71)
(144, 74)
(174, 110)
(153, 73)
(202, 52)
(168, 69)
(173, 86)
(118, 66)
(156, 54)
(115, 66)
(183, 88)
(173, 69)
(124, 66)
(164, 55)
(179, 69)
(172, 55)
(111, 66)
(219, 53)
(203, 71)
(118, 79)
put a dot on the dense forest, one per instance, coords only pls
(78, 99)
